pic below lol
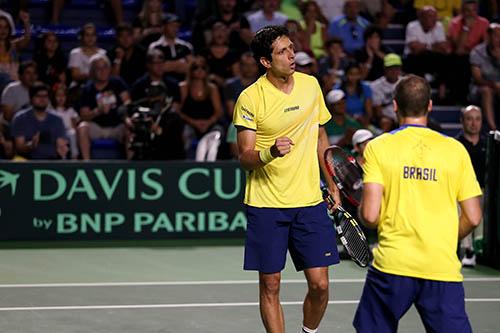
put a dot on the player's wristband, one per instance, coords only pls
(266, 156)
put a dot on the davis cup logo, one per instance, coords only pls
(7, 178)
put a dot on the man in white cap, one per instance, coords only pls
(305, 64)
(383, 92)
(342, 126)
(360, 139)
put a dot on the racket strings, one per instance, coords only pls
(355, 241)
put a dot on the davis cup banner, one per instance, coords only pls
(120, 200)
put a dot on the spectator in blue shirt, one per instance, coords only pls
(358, 95)
(349, 27)
(39, 133)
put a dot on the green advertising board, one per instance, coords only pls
(120, 200)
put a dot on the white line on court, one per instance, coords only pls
(193, 283)
(185, 305)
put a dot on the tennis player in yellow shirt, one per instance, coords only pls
(414, 178)
(280, 122)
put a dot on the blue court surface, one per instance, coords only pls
(184, 287)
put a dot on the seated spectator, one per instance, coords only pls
(383, 92)
(268, 15)
(380, 12)
(127, 57)
(314, 26)
(116, 6)
(349, 27)
(426, 50)
(358, 95)
(79, 58)
(360, 139)
(69, 117)
(50, 59)
(342, 126)
(9, 48)
(201, 105)
(446, 9)
(38, 133)
(305, 64)
(148, 25)
(177, 53)
(331, 9)
(16, 95)
(332, 66)
(168, 143)
(222, 60)
(465, 32)
(226, 12)
(248, 74)
(101, 97)
(371, 56)
(485, 64)
(297, 36)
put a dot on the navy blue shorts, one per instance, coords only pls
(387, 297)
(307, 232)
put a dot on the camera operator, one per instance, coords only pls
(160, 94)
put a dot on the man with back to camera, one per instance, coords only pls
(281, 139)
(410, 195)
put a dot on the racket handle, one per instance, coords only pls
(326, 194)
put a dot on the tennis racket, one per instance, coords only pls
(352, 237)
(346, 173)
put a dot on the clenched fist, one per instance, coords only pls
(281, 147)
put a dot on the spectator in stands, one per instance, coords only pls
(50, 59)
(148, 25)
(116, 6)
(383, 92)
(101, 97)
(360, 139)
(380, 12)
(38, 133)
(268, 15)
(156, 89)
(248, 74)
(349, 27)
(332, 66)
(16, 95)
(201, 106)
(465, 32)
(128, 58)
(475, 143)
(445, 9)
(9, 18)
(485, 69)
(314, 26)
(305, 64)
(79, 58)
(221, 59)
(427, 51)
(331, 9)
(342, 126)
(68, 115)
(177, 53)
(297, 36)
(240, 35)
(9, 48)
(358, 95)
(371, 56)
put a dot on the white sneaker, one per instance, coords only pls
(469, 260)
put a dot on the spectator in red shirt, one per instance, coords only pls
(465, 32)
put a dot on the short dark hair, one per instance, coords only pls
(25, 65)
(124, 27)
(412, 95)
(261, 45)
(37, 87)
(333, 40)
(370, 31)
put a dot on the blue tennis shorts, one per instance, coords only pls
(307, 232)
(387, 297)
